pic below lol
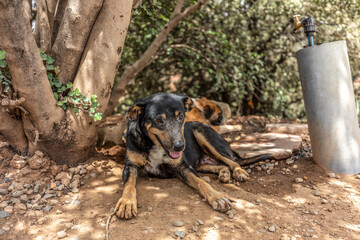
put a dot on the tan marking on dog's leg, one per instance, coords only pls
(223, 171)
(126, 207)
(238, 173)
(137, 158)
(216, 199)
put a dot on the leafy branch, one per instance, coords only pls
(65, 95)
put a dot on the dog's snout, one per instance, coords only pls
(179, 146)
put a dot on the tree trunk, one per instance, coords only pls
(74, 31)
(63, 135)
(145, 59)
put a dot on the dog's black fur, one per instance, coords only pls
(159, 141)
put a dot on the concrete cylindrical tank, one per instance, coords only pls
(330, 106)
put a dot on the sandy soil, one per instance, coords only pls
(271, 205)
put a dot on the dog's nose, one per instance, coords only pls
(179, 146)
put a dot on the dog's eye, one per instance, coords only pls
(180, 116)
(159, 120)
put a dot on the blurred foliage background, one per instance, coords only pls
(240, 52)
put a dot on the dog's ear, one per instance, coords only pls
(135, 111)
(188, 103)
(208, 112)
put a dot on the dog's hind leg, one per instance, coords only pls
(216, 146)
(216, 199)
(222, 170)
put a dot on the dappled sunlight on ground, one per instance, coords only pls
(264, 201)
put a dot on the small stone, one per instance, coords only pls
(20, 207)
(68, 225)
(358, 176)
(323, 201)
(75, 190)
(83, 171)
(231, 216)
(55, 170)
(48, 195)
(61, 234)
(3, 204)
(25, 170)
(64, 177)
(37, 187)
(1, 232)
(272, 228)
(178, 224)
(218, 218)
(149, 209)
(331, 175)
(52, 202)
(4, 214)
(248, 170)
(201, 222)
(47, 208)
(17, 194)
(3, 191)
(39, 160)
(299, 180)
(9, 209)
(61, 187)
(317, 193)
(24, 197)
(58, 212)
(75, 183)
(180, 234)
(195, 228)
(289, 161)
(72, 170)
(18, 162)
(92, 175)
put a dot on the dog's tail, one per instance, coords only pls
(251, 160)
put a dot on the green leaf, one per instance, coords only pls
(63, 107)
(58, 84)
(75, 110)
(57, 70)
(49, 67)
(164, 18)
(2, 63)
(50, 60)
(59, 103)
(43, 55)
(50, 76)
(95, 104)
(71, 93)
(86, 99)
(93, 98)
(2, 55)
(97, 116)
(63, 88)
(69, 85)
(56, 95)
(92, 110)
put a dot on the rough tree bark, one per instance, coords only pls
(64, 136)
(131, 70)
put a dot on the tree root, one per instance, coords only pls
(12, 105)
(108, 223)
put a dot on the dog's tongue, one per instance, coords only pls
(174, 154)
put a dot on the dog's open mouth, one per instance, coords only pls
(174, 155)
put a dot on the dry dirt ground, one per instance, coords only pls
(271, 205)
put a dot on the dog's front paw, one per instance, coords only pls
(225, 175)
(221, 203)
(240, 174)
(126, 208)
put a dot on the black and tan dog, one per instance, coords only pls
(160, 142)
